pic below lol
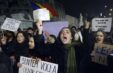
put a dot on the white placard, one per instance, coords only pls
(102, 23)
(30, 65)
(10, 24)
(42, 14)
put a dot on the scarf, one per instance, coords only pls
(71, 59)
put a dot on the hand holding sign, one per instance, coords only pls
(50, 39)
(47, 34)
(19, 65)
(42, 14)
(11, 24)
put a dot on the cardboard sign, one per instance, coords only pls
(30, 65)
(100, 53)
(42, 14)
(102, 23)
(11, 24)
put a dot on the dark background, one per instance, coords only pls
(88, 8)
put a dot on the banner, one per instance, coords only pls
(11, 24)
(100, 53)
(102, 23)
(30, 65)
(42, 14)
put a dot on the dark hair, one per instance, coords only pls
(29, 35)
(24, 34)
(61, 32)
(30, 28)
(73, 27)
(10, 34)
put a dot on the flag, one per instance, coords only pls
(51, 9)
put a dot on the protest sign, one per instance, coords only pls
(10, 24)
(102, 23)
(30, 65)
(42, 14)
(100, 53)
(54, 27)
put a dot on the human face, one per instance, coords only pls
(65, 36)
(20, 38)
(99, 37)
(31, 43)
(87, 24)
(3, 40)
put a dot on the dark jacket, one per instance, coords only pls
(5, 64)
(88, 42)
(39, 46)
(20, 50)
(87, 66)
(59, 55)
(8, 48)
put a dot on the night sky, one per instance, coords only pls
(90, 8)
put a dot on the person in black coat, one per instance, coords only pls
(21, 48)
(87, 66)
(21, 45)
(39, 39)
(31, 43)
(5, 63)
(50, 47)
(65, 51)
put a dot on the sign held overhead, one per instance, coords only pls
(102, 24)
(42, 14)
(11, 24)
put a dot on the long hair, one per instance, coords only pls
(61, 32)
(104, 34)
(25, 36)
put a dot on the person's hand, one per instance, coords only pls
(19, 65)
(39, 26)
(49, 38)
(46, 34)
(38, 59)
(13, 59)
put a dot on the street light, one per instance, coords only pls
(111, 9)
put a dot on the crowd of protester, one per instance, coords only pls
(71, 50)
